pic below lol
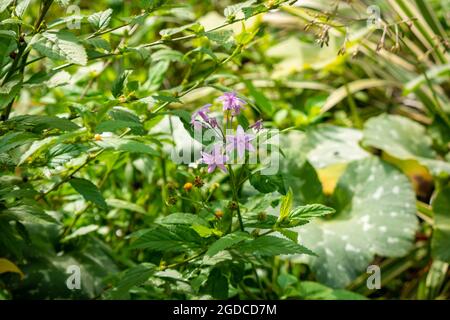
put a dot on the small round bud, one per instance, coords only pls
(187, 186)
(97, 137)
(218, 213)
(233, 205)
(262, 216)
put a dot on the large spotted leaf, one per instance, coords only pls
(404, 139)
(375, 215)
(326, 145)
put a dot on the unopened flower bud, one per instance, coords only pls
(187, 186)
(198, 182)
(218, 213)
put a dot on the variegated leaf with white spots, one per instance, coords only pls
(404, 139)
(375, 206)
(326, 145)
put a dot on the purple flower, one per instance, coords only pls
(213, 122)
(215, 159)
(203, 113)
(257, 125)
(231, 102)
(240, 142)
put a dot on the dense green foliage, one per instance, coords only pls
(97, 99)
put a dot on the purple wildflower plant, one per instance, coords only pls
(231, 101)
(238, 141)
(215, 159)
(241, 141)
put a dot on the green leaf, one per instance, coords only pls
(262, 102)
(125, 145)
(81, 232)
(126, 205)
(267, 183)
(299, 175)
(119, 83)
(89, 191)
(327, 145)
(217, 284)
(375, 215)
(310, 211)
(61, 45)
(226, 242)
(438, 73)
(38, 123)
(440, 243)
(134, 276)
(28, 213)
(157, 73)
(10, 90)
(183, 218)
(316, 291)
(164, 239)
(204, 231)
(13, 140)
(404, 139)
(114, 125)
(4, 4)
(100, 20)
(167, 55)
(221, 37)
(233, 10)
(286, 205)
(195, 27)
(272, 246)
(291, 235)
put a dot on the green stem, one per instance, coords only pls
(235, 196)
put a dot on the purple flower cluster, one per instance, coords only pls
(240, 141)
(232, 102)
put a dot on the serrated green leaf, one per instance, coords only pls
(134, 276)
(100, 20)
(126, 145)
(119, 84)
(4, 4)
(61, 45)
(226, 242)
(164, 239)
(38, 123)
(13, 140)
(272, 246)
(310, 211)
(28, 213)
(183, 218)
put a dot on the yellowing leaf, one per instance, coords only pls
(329, 176)
(8, 266)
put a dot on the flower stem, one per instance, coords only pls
(235, 196)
